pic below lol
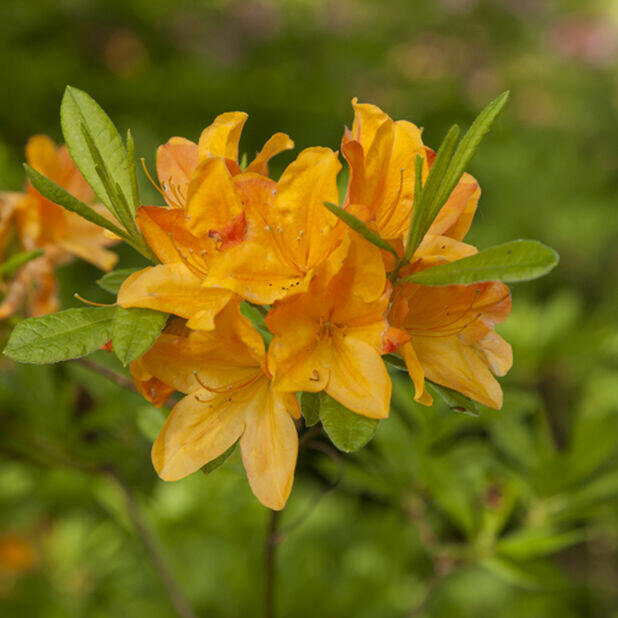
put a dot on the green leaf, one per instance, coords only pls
(16, 261)
(454, 400)
(135, 201)
(61, 336)
(420, 220)
(58, 195)
(518, 260)
(117, 203)
(217, 462)
(134, 331)
(511, 573)
(536, 542)
(255, 314)
(79, 109)
(468, 146)
(359, 226)
(112, 280)
(310, 408)
(347, 430)
(395, 361)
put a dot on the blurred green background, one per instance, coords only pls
(514, 514)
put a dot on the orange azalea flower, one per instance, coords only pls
(207, 194)
(381, 153)
(41, 224)
(450, 336)
(289, 233)
(330, 337)
(229, 398)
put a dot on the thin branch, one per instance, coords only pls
(108, 373)
(270, 547)
(151, 546)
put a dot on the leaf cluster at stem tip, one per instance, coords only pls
(109, 168)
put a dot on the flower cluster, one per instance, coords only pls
(335, 303)
(32, 225)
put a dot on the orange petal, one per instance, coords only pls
(455, 217)
(199, 429)
(151, 388)
(173, 288)
(383, 178)
(497, 353)
(176, 162)
(42, 155)
(448, 310)
(279, 142)
(307, 227)
(358, 377)
(296, 355)
(449, 362)
(435, 250)
(221, 138)
(269, 447)
(417, 374)
(227, 357)
(156, 224)
(213, 200)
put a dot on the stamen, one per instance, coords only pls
(91, 302)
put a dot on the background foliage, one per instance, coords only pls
(513, 514)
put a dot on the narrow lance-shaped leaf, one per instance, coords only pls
(347, 430)
(420, 220)
(310, 404)
(217, 462)
(58, 195)
(9, 267)
(454, 400)
(134, 331)
(119, 204)
(61, 336)
(518, 260)
(468, 146)
(464, 153)
(78, 109)
(116, 203)
(112, 280)
(360, 227)
(135, 201)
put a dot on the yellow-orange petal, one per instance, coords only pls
(212, 200)
(455, 217)
(417, 375)
(42, 155)
(152, 389)
(269, 446)
(172, 288)
(278, 143)
(177, 160)
(199, 429)
(88, 249)
(449, 362)
(435, 250)
(307, 228)
(358, 377)
(156, 224)
(497, 353)
(221, 138)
